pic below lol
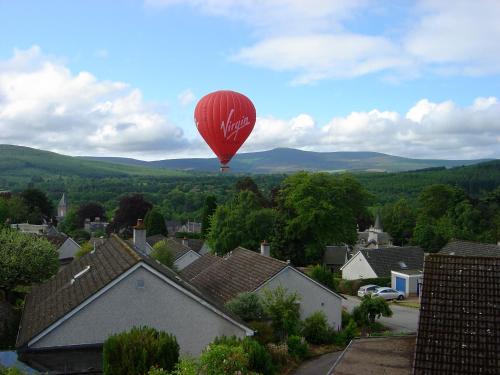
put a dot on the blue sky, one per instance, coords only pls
(415, 79)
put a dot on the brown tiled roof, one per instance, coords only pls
(199, 265)
(459, 323)
(193, 243)
(469, 248)
(240, 271)
(50, 301)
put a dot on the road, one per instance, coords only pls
(318, 366)
(404, 319)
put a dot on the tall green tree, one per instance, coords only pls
(371, 308)
(209, 207)
(243, 221)
(316, 210)
(399, 219)
(155, 223)
(131, 208)
(25, 259)
(38, 205)
(90, 210)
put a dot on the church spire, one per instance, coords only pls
(378, 223)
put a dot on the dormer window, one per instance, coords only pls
(402, 265)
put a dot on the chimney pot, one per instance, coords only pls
(185, 241)
(265, 248)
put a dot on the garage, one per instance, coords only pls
(407, 281)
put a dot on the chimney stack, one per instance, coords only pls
(185, 242)
(265, 248)
(140, 236)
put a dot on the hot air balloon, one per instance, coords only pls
(225, 119)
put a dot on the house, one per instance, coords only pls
(469, 248)
(39, 229)
(372, 263)
(66, 247)
(191, 227)
(182, 254)
(112, 289)
(95, 226)
(244, 270)
(407, 281)
(376, 356)
(193, 243)
(374, 237)
(335, 257)
(62, 207)
(172, 226)
(458, 331)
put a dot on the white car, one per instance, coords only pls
(388, 293)
(367, 289)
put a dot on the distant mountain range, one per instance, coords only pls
(285, 160)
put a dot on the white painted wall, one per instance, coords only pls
(68, 249)
(411, 282)
(313, 297)
(186, 260)
(357, 268)
(157, 305)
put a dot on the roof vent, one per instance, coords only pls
(402, 265)
(80, 274)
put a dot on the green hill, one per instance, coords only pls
(288, 160)
(19, 163)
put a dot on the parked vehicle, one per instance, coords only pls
(367, 289)
(388, 293)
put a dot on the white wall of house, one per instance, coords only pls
(313, 296)
(157, 304)
(68, 249)
(357, 268)
(186, 260)
(411, 282)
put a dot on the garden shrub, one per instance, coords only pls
(186, 366)
(283, 310)
(219, 359)
(136, 351)
(279, 353)
(247, 306)
(323, 275)
(371, 308)
(346, 318)
(259, 359)
(297, 347)
(316, 330)
(347, 334)
(163, 254)
(264, 333)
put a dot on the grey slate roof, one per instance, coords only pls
(152, 240)
(199, 265)
(335, 255)
(240, 271)
(385, 260)
(193, 243)
(177, 249)
(458, 330)
(469, 248)
(50, 301)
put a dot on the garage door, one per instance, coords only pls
(401, 284)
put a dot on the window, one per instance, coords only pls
(402, 265)
(139, 284)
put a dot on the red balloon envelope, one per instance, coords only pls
(225, 119)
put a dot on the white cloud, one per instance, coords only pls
(313, 38)
(43, 104)
(427, 130)
(186, 97)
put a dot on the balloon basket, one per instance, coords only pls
(224, 169)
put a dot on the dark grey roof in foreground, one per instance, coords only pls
(385, 260)
(458, 330)
(469, 248)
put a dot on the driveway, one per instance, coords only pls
(404, 319)
(318, 366)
